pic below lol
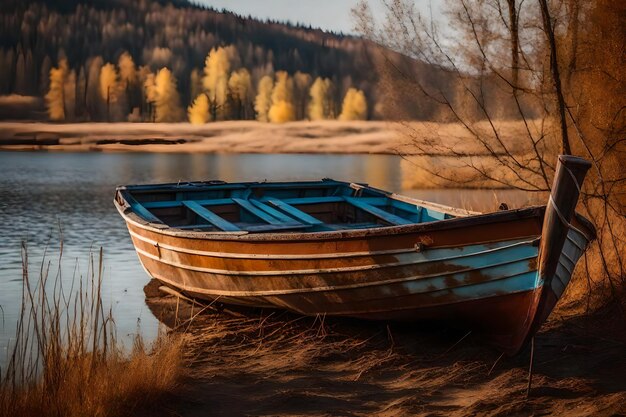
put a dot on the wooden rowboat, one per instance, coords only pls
(343, 249)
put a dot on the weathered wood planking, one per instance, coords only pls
(378, 256)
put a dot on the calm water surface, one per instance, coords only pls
(39, 191)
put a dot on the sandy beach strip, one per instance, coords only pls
(219, 137)
(320, 137)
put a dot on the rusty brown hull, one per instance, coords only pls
(500, 273)
(465, 273)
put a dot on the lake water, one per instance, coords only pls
(39, 191)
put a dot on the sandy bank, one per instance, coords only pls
(221, 137)
(368, 137)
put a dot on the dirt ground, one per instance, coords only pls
(275, 363)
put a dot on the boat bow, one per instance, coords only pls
(564, 238)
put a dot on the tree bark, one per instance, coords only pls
(513, 28)
(556, 78)
(574, 15)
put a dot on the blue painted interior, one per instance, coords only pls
(309, 206)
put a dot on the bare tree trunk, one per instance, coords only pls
(513, 28)
(108, 103)
(556, 78)
(63, 99)
(574, 17)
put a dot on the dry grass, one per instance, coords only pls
(456, 172)
(67, 362)
(451, 156)
(226, 137)
(601, 276)
(276, 363)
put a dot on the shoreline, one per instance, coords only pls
(324, 137)
(430, 152)
(429, 139)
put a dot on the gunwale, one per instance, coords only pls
(452, 223)
(536, 211)
(582, 224)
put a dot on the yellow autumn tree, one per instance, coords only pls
(354, 105)
(128, 71)
(149, 91)
(198, 112)
(320, 102)
(55, 98)
(263, 99)
(69, 95)
(302, 82)
(282, 109)
(108, 86)
(167, 103)
(215, 80)
(240, 87)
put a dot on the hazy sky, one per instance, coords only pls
(325, 14)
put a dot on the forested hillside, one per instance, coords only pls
(153, 60)
(35, 37)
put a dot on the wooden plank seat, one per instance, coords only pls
(275, 219)
(294, 212)
(271, 211)
(263, 215)
(273, 223)
(211, 217)
(375, 201)
(375, 211)
(281, 214)
(366, 204)
(378, 207)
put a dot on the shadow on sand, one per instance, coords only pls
(271, 362)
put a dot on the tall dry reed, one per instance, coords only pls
(67, 361)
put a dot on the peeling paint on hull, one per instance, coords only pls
(500, 273)
(490, 286)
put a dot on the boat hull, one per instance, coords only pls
(356, 251)
(476, 274)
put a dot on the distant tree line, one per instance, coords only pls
(123, 91)
(103, 54)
